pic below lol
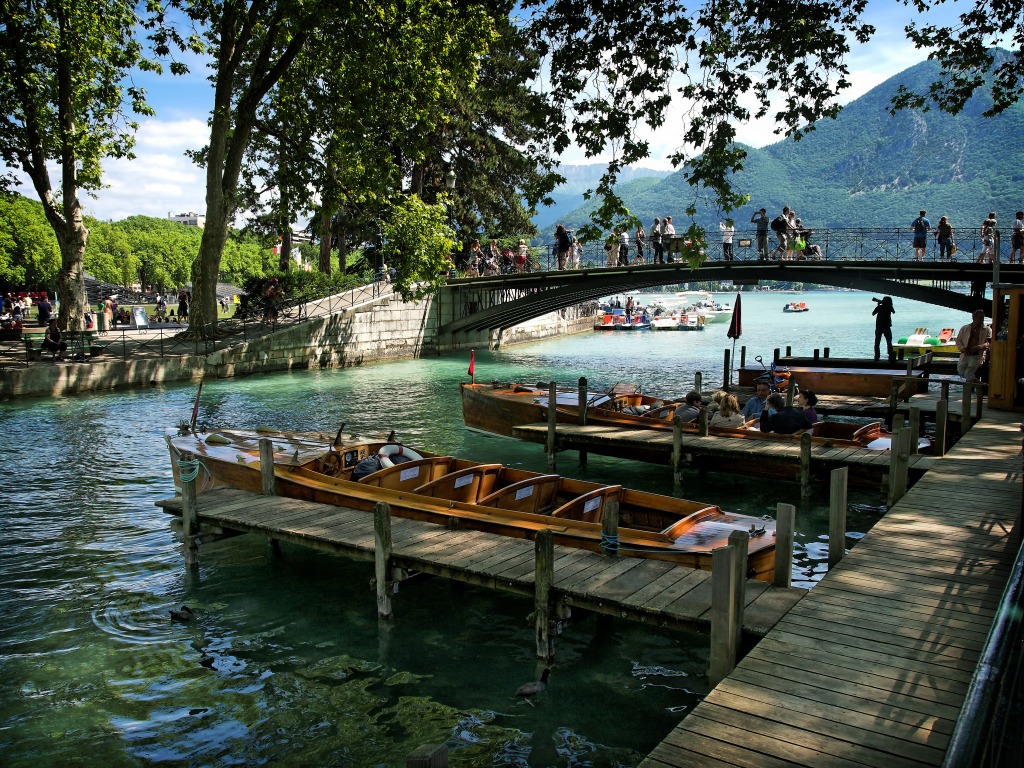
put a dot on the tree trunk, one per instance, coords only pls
(325, 241)
(285, 257)
(202, 313)
(70, 279)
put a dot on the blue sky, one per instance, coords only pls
(162, 181)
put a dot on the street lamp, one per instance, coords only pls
(449, 179)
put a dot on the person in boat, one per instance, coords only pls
(716, 402)
(781, 418)
(807, 400)
(883, 313)
(728, 413)
(690, 409)
(755, 405)
(973, 342)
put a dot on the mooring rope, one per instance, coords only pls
(189, 469)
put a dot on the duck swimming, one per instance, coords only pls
(183, 614)
(526, 690)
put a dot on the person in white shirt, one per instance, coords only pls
(656, 245)
(667, 233)
(728, 230)
(623, 260)
(1017, 238)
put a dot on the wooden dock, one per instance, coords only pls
(714, 451)
(634, 588)
(871, 668)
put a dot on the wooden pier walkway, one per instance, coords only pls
(871, 668)
(717, 451)
(652, 591)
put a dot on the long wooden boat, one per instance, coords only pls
(868, 382)
(479, 496)
(500, 408)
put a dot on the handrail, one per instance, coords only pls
(971, 743)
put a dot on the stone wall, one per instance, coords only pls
(384, 329)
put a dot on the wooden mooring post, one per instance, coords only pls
(727, 372)
(837, 516)
(382, 557)
(544, 577)
(805, 465)
(269, 484)
(552, 422)
(743, 356)
(899, 465)
(610, 527)
(698, 382)
(581, 408)
(702, 422)
(914, 423)
(188, 467)
(728, 583)
(677, 452)
(941, 425)
(785, 522)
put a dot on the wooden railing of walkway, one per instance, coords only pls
(872, 667)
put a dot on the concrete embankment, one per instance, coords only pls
(380, 330)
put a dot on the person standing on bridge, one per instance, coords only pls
(883, 325)
(761, 220)
(1017, 238)
(920, 226)
(668, 233)
(563, 245)
(656, 245)
(728, 230)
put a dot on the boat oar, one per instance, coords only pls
(195, 408)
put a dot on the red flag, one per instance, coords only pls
(736, 326)
(472, 361)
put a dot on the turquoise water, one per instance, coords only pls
(287, 663)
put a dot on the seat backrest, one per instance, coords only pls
(465, 485)
(535, 495)
(590, 506)
(407, 475)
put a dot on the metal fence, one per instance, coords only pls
(169, 338)
(840, 244)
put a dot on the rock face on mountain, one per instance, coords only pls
(868, 168)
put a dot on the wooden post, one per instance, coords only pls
(702, 422)
(941, 424)
(894, 400)
(382, 557)
(428, 756)
(837, 516)
(775, 355)
(189, 514)
(979, 410)
(789, 351)
(914, 422)
(785, 522)
(965, 408)
(727, 371)
(790, 393)
(743, 356)
(581, 407)
(610, 527)
(677, 452)
(739, 541)
(815, 356)
(544, 576)
(552, 421)
(825, 352)
(805, 465)
(698, 382)
(897, 423)
(723, 614)
(267, 466)
(899, 465)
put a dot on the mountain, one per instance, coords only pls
(578, 179)
(868, 168)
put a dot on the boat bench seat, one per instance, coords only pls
(467, 485)
(680, 527)
(408, 475)
(535, 495)
(590, 506)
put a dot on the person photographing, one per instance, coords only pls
(883, 313)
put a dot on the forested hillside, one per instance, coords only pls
(137, 250)
(869, 169)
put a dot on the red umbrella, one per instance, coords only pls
(735, 329)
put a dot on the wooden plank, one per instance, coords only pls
(659, 602)
(657, 586)
(629, 583)
(684, 748)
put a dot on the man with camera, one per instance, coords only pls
(883, 325)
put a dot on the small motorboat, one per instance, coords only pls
(795, 306)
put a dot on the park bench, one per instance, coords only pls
(77, 342)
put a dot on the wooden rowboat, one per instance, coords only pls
(473, 495)
(499, 408)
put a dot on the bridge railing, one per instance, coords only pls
(835, 244)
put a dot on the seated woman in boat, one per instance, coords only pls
(690, 410)
(807, 400)
(728, 413)
(781, 418)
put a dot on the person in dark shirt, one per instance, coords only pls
(53, 340)
(690, 411)
(786, 420)
(883, 325)
(43, 311)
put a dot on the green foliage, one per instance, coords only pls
(29, 253)
(418, 245)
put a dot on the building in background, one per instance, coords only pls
(189, 219)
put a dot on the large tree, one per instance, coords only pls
(64, 81)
